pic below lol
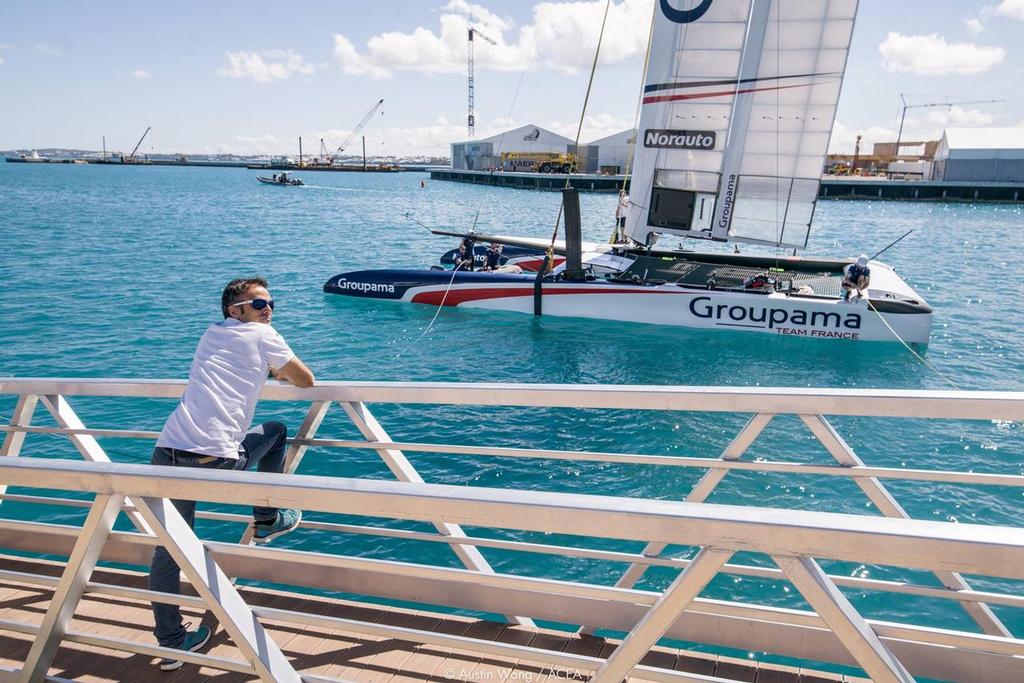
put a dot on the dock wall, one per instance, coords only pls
(831, 188)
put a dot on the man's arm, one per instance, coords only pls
(295, 372)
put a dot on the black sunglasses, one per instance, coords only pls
(257, 304)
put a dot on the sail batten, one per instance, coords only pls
(737, 112)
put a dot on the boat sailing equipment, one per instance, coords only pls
(573, 236)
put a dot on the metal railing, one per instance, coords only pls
(795, 540)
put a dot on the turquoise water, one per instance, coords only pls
(116, 272)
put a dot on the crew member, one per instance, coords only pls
(492, 257)
(464, 257)
(621, 210)
(856, 278)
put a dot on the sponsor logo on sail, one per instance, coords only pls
(685, 16)
(727, 200)
(365, 287)
(679, 139)
(770, 317)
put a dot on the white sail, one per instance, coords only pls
(738, 106)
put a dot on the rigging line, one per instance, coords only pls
(631, 153)
(440, 307)
(583, 113)
(907, 346)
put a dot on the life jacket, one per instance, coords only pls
(854, 272)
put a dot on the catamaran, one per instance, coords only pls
(737, 111)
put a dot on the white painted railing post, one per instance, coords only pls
(22, 417)
(846, 623)
(878, 494)
(293, 456)
(734, 451)
(216, 589)
(65, 598)
(86, 444)
(403, 470)
(662, 615)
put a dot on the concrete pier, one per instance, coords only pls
(831, 188)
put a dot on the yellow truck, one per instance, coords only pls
(539, 162)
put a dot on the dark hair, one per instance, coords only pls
(236, 288)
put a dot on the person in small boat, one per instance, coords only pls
(275, 178)
(493, 257)
(464, 259)
(856, 278)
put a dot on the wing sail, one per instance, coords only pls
(738, 107)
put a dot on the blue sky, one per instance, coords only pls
(251, 77)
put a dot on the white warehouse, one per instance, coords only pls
(980, 154)
(609, 154)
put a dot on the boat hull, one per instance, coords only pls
(666, 304)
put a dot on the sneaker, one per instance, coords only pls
(287, 520)
(193, 641)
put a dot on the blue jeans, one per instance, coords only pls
(264, 447)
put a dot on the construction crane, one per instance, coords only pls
(471, 119)
(131, 157)
(903, 99)
(359, 127)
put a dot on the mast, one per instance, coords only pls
(739, 121)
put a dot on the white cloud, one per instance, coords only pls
(5, 46)
(1, 61)
(1011, 8)
(959, 117)
(355, 64)
(562, 37)
(48, 50)
(266, 66)
(594, 126)
(142, 74)
(975, 26)
(931, 55)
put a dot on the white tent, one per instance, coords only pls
(486, 152)
(613, 150)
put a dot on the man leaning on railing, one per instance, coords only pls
(211, 428)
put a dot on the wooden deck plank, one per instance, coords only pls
(391, 652)
(537, 672)
(329, 652)
(351, 658)
(432, 658)
(735, 669)
(412, 669)
(479, 666)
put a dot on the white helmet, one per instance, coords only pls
(862, 260)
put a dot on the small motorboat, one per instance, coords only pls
(280, 179)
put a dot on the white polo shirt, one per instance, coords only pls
(228, 373)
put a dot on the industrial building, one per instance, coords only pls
(980, 154)
(613, 152)
(606, 155)
(485, 154)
